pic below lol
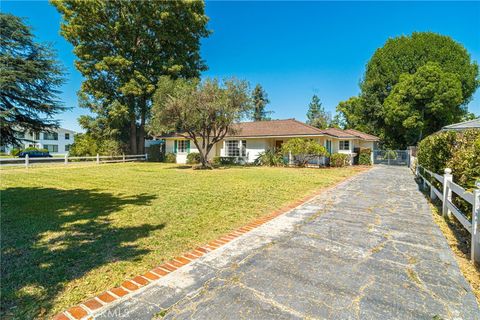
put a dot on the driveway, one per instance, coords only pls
(367, 249)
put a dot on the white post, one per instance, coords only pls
(146, 156)
(123, 157)
(27, 161)
(447, 192)
(98, 158)
(66, 158)
(371, 157)
(475, 254)
(289, 158)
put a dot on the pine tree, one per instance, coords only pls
(260, 101)
(316, 114)
(30, 77)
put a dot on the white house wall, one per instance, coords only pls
(62, 144)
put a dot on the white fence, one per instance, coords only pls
(449, 208)
(28, 162)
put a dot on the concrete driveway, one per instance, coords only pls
(367, 249)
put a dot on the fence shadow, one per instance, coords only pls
(50, 237)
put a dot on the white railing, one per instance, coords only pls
(98, 159)
(449, 208)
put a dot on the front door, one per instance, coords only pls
(278, 144)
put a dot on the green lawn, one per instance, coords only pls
(68, 233)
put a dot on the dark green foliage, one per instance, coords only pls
(123, 47)
(260, 101)
(171, 157)
(365, 156)
(270, 157)
(413, 86)
(339, 160)
(193, 158)
(30, 78)
(224, 161)
(316, 115)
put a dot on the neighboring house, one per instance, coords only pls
(471, 124)
(56, 142)
(252, 138)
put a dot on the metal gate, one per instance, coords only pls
(391, 157)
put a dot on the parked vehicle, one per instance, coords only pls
(34, 154)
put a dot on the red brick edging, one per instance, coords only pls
(87, 309)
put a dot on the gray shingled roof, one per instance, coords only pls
(471, 124)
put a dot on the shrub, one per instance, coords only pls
(171, 157)
(303, 150)
(459, 151)
(339, 160)
(224, 161)
(270, 157)
(365, 156)
(390, 154)
(14, 152)
(193, 158)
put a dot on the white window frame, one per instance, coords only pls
(240, 150)
(182, 146)
(53, 147)
(341, 145)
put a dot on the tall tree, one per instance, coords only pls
(30, 78)
(316, 114)
(123, 47)
(204, 112)
(260, 101)
(405, 55)
(421, 103)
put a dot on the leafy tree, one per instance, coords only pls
(405, 55)
(201, 111)
(421, 103)
(30, 77)
(303, 150)
(123, 47)
(316, 114)
(260, 101)
(87, 144)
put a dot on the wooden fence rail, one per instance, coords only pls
(431, 179)
(27, 161)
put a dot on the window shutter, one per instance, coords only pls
(188, 146)
(175, 146)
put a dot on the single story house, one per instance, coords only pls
(252, 138)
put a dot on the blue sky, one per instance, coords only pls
(293, 49)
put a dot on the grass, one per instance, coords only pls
(68, 233)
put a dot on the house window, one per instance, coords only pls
(182, 146)
(50, 136)
(67, 136)
(20, 135)
(344, 145)
(67, 147)
(236, 148)
(51, 147)
(37, 135)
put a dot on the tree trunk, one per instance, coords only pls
(141, 134)
(133, 135)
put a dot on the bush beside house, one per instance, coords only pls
(193, 158)
(365, 156)
(171, 157)
(339, 160)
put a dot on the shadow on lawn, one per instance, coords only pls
(50, 237)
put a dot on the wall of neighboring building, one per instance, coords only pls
(57, 142)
